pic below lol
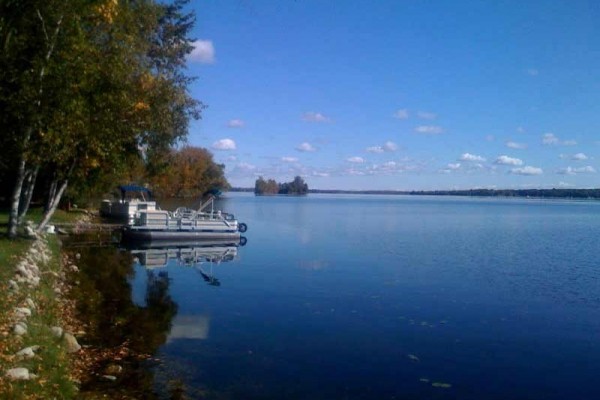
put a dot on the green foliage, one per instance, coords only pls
(266, 187)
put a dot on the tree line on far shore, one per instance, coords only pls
(589, 194)
(271, 187)
(95, 94)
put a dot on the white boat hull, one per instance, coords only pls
(164, 226)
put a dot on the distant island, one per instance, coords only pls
(296, 187)
(527, 193)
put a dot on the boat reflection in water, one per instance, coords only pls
(196, 254)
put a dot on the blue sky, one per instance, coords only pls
(401, 95)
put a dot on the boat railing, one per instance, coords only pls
(182, 218)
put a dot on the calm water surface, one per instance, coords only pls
(391, 297)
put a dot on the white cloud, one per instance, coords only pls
(470, 157)
(357, 160)
(390, 146)
(305, 147)
(549, 138)
(375, 149)
(527, 170)
(232, 158)
(574, 171)
(579, 157)
(429, 129)
(401, 114)
(312, 116)
(552, 139)
(515, 145)
(224, 144)
(426, 115)
(289, 159)
(236, 123)
(320, 174)
(204, 52)
(565, 184)
(506, 160)
(354, 172)
(453, 166)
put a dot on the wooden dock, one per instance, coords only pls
(86, 227)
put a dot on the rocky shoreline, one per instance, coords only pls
(41, 307)
(28, 273)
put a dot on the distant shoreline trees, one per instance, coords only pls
(270, 187)
(580, 194)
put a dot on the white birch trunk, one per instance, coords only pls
(13, 219)
(51, 193)
(26, 194)
(53, 205)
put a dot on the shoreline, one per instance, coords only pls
(47, 348)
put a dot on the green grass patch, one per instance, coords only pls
(35, 214)
(10, 251)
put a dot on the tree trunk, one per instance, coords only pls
(27, 192)
(54, 200)
(53, 205)
(13, 219)
(51, 193)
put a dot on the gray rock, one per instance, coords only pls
(13, 286)
(22, 312)
(30, 232)
(20, 329)
(109, 378)
(71, 343)
(57, 331)
(30, 303)
(27, 352)
(23, 271)
(17, 374)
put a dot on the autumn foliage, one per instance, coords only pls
(190, 172)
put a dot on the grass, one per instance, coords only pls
(51, 363)
(35, 215)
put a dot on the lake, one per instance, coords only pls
(387, 297)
